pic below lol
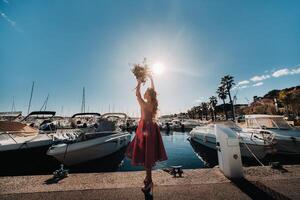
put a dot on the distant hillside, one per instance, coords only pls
(285, 101)
(275, 93)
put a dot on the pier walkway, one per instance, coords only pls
(259, 182)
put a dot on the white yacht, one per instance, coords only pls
(249, 143)
(26, 142)
(107, 139)
(274, 129)
(191, 123)
(85, 120)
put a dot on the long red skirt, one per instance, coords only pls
(147, 146)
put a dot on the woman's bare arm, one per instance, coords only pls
(138, 93)
(152, 82)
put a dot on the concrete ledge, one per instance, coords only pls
(205, 191)
(196, 184)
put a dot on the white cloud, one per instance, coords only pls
(281, 72)
(286, 72)
(5, 1)
(273, 74)
(11, 22)
(244, 86)
(243, 82)
(295, 71)
(258, 84)
(259, 78)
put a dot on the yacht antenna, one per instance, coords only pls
(13, 108)
(31, 94)
(83, 101)
(62, 110)
(45, 103)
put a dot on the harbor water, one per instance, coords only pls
(179, 151)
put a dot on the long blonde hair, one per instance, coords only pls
(153, 97)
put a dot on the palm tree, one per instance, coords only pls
(213, 102)
(199, 112)
(204, 108)
(222, 95)
(227, 82)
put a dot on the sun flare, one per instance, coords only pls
(158, 68)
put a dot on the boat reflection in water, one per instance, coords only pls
(208, 156)
(109, 163)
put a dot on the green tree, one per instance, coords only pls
(222, 95)
(212, 104)
(286, 99)
(228, 82)
(204, 109)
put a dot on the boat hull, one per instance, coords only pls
(26, 161)
(287, 147)
(260, 151)
(87, 151)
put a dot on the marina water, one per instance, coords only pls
(179, 151)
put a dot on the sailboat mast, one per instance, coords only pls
(83, 101)
(45, 104)
(13, 108)
(31, 94)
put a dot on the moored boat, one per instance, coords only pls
(251, 145)
(23, 145)
(274, 129)
(90, 146)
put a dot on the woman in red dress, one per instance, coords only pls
(147, 146)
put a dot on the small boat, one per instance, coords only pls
(85, 120)
(190, 123)
(107, 139)
(23, 144)
(275, 130)
(42, 120)
(251, 145)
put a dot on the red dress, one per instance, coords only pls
(147, 146)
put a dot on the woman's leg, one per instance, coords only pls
(149, 174)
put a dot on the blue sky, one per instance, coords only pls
(65, 45)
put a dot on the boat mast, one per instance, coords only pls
(45, 103)
(83, 101)
(31, 94)
(13, 108)
(62, 110)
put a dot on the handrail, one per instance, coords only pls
(82, 114)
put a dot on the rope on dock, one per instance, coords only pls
(252, 153)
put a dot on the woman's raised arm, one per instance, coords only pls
(152, 82)
(138, 93)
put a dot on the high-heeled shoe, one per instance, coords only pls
(148, 186)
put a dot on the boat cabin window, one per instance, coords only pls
(273, 123)
(281, 123)
(251, 123)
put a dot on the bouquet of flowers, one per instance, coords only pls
(141, 71)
